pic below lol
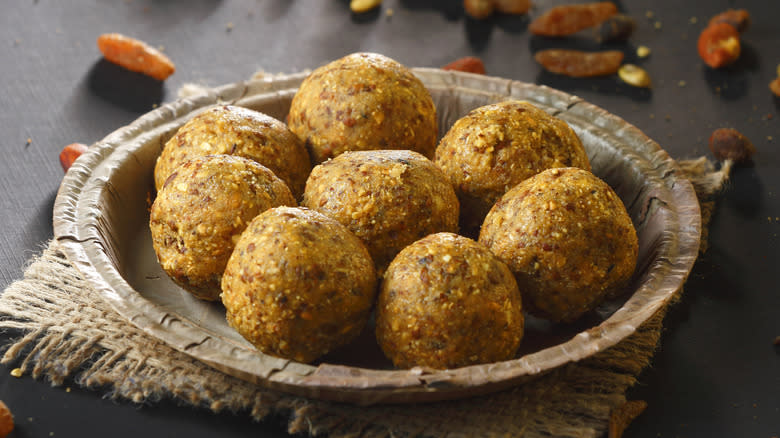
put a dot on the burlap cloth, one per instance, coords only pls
(66, 331)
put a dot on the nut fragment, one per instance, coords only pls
(614, 29)
(719, 45)
(6, 420)
(739, 18)
(730, 144)
(635, 76)
(643, 51)
(580, 64)
(70, 153)
(569, 19)
(469, 64)
(135, 55)
(361, 6)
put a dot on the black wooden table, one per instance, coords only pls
(717, 372)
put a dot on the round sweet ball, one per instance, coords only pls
(298, 284)
(235, 130)
(363, 101)
(446, 301)
(568, 239)
(200, 212)
(494, 147)
(389, 199)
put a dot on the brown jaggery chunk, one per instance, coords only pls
(568, 239)
(363, 101)
(200, 212)
(580, 64)
(298, 284)
(235, 130)
(494, 147)
(445, 302)
(389, 199)
(566, 20)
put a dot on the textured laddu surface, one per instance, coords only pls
(68, 331)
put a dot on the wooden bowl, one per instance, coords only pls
(101, 221)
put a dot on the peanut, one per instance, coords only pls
(634, 75)
(361, 6)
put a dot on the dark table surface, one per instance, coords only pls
(717, 372)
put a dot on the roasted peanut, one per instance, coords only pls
(635, 76)
(135, 55)
(361, 6)
(719, 45)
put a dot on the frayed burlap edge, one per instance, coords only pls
(68, 331)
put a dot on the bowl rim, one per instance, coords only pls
(77, 214)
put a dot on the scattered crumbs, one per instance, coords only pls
(67, 389)
(51, 433)
(30, 419)
(161, 48)
(16, 372)
(17, 42)
(769, 138)
(649, 14)
(389, 12)
(657, 25)
(154, 105)
(652, 116)
(229, 26)
(768, 116)
(29, 141)
(755, 107)
(668, 117)
(694, 20)
(682, 84)
(755, 405)
(643, 51)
